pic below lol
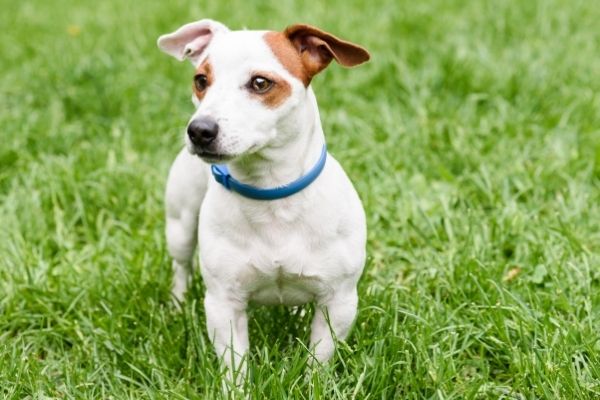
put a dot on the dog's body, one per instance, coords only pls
(306, 247)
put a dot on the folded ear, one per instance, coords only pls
(317, 48)
(191, 39)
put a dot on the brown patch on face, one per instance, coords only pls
(278, 93)
(287, 55)
(205, 69)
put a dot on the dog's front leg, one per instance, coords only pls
(227, 324)
(333, 316)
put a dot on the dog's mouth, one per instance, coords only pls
(211, 157)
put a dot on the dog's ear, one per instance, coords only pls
(317, 48)
(191, 39)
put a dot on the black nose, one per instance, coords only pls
(202, 131)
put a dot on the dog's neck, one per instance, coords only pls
(284, 162)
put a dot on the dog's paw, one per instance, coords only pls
(178, 296)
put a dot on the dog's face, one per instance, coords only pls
(248, 86)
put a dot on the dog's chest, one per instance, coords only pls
(280, 287)
(275, 261)
(283, 268)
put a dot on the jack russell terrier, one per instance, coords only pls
(276, 218)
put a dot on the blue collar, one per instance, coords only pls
(222, 175)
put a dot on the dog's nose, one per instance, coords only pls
(202, 131)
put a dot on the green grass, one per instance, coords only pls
(473, 138)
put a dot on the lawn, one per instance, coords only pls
(472, 137)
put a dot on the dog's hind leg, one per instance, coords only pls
(186, 186)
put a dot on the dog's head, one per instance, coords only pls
(249, 84)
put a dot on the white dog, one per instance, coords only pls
(279, 222)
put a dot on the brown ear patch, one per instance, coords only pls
(287, 55)
(345, 53)
(206, 69)
(280, 91)
(305, 50)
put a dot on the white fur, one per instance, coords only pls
(309, 247)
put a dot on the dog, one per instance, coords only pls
(276, 218)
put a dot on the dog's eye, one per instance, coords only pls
(260, 84)
(200, 82)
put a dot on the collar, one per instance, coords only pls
(221, 174)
